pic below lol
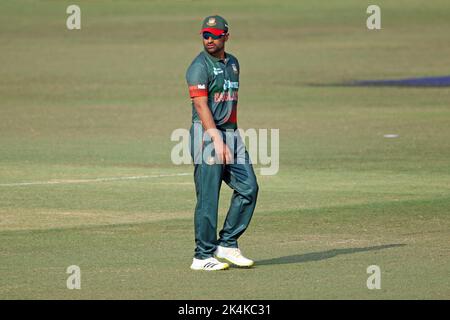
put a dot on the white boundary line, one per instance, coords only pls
(40, 183)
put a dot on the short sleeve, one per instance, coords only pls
(238, 66)
(197, 80)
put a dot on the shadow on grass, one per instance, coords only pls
(316, 256)
(423, 82)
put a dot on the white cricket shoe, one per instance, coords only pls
(234, 256)
(210, 264)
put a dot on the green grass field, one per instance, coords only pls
(103, 101)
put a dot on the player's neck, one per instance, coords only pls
(219, 55)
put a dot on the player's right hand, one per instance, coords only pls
(223, 153)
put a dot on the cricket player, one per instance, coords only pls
(213, 81)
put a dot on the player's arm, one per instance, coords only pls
(204, 113)
(197, 80)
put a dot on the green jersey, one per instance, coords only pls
(219, 81)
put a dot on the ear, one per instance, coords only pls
(226, 37)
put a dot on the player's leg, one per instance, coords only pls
(241, 178)
(208, 179)
(207, 186)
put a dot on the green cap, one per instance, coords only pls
(215, 24)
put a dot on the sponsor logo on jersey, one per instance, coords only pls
(227, 84)
(201, 86)
(217, 71)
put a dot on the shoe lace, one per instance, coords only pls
(236, 253)
(214, 260)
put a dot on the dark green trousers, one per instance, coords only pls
(208, 178)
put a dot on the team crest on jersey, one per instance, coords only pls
(211, 22)
(235, 69)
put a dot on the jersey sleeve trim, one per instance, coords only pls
(198, 91)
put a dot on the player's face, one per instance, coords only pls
(214, 44)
